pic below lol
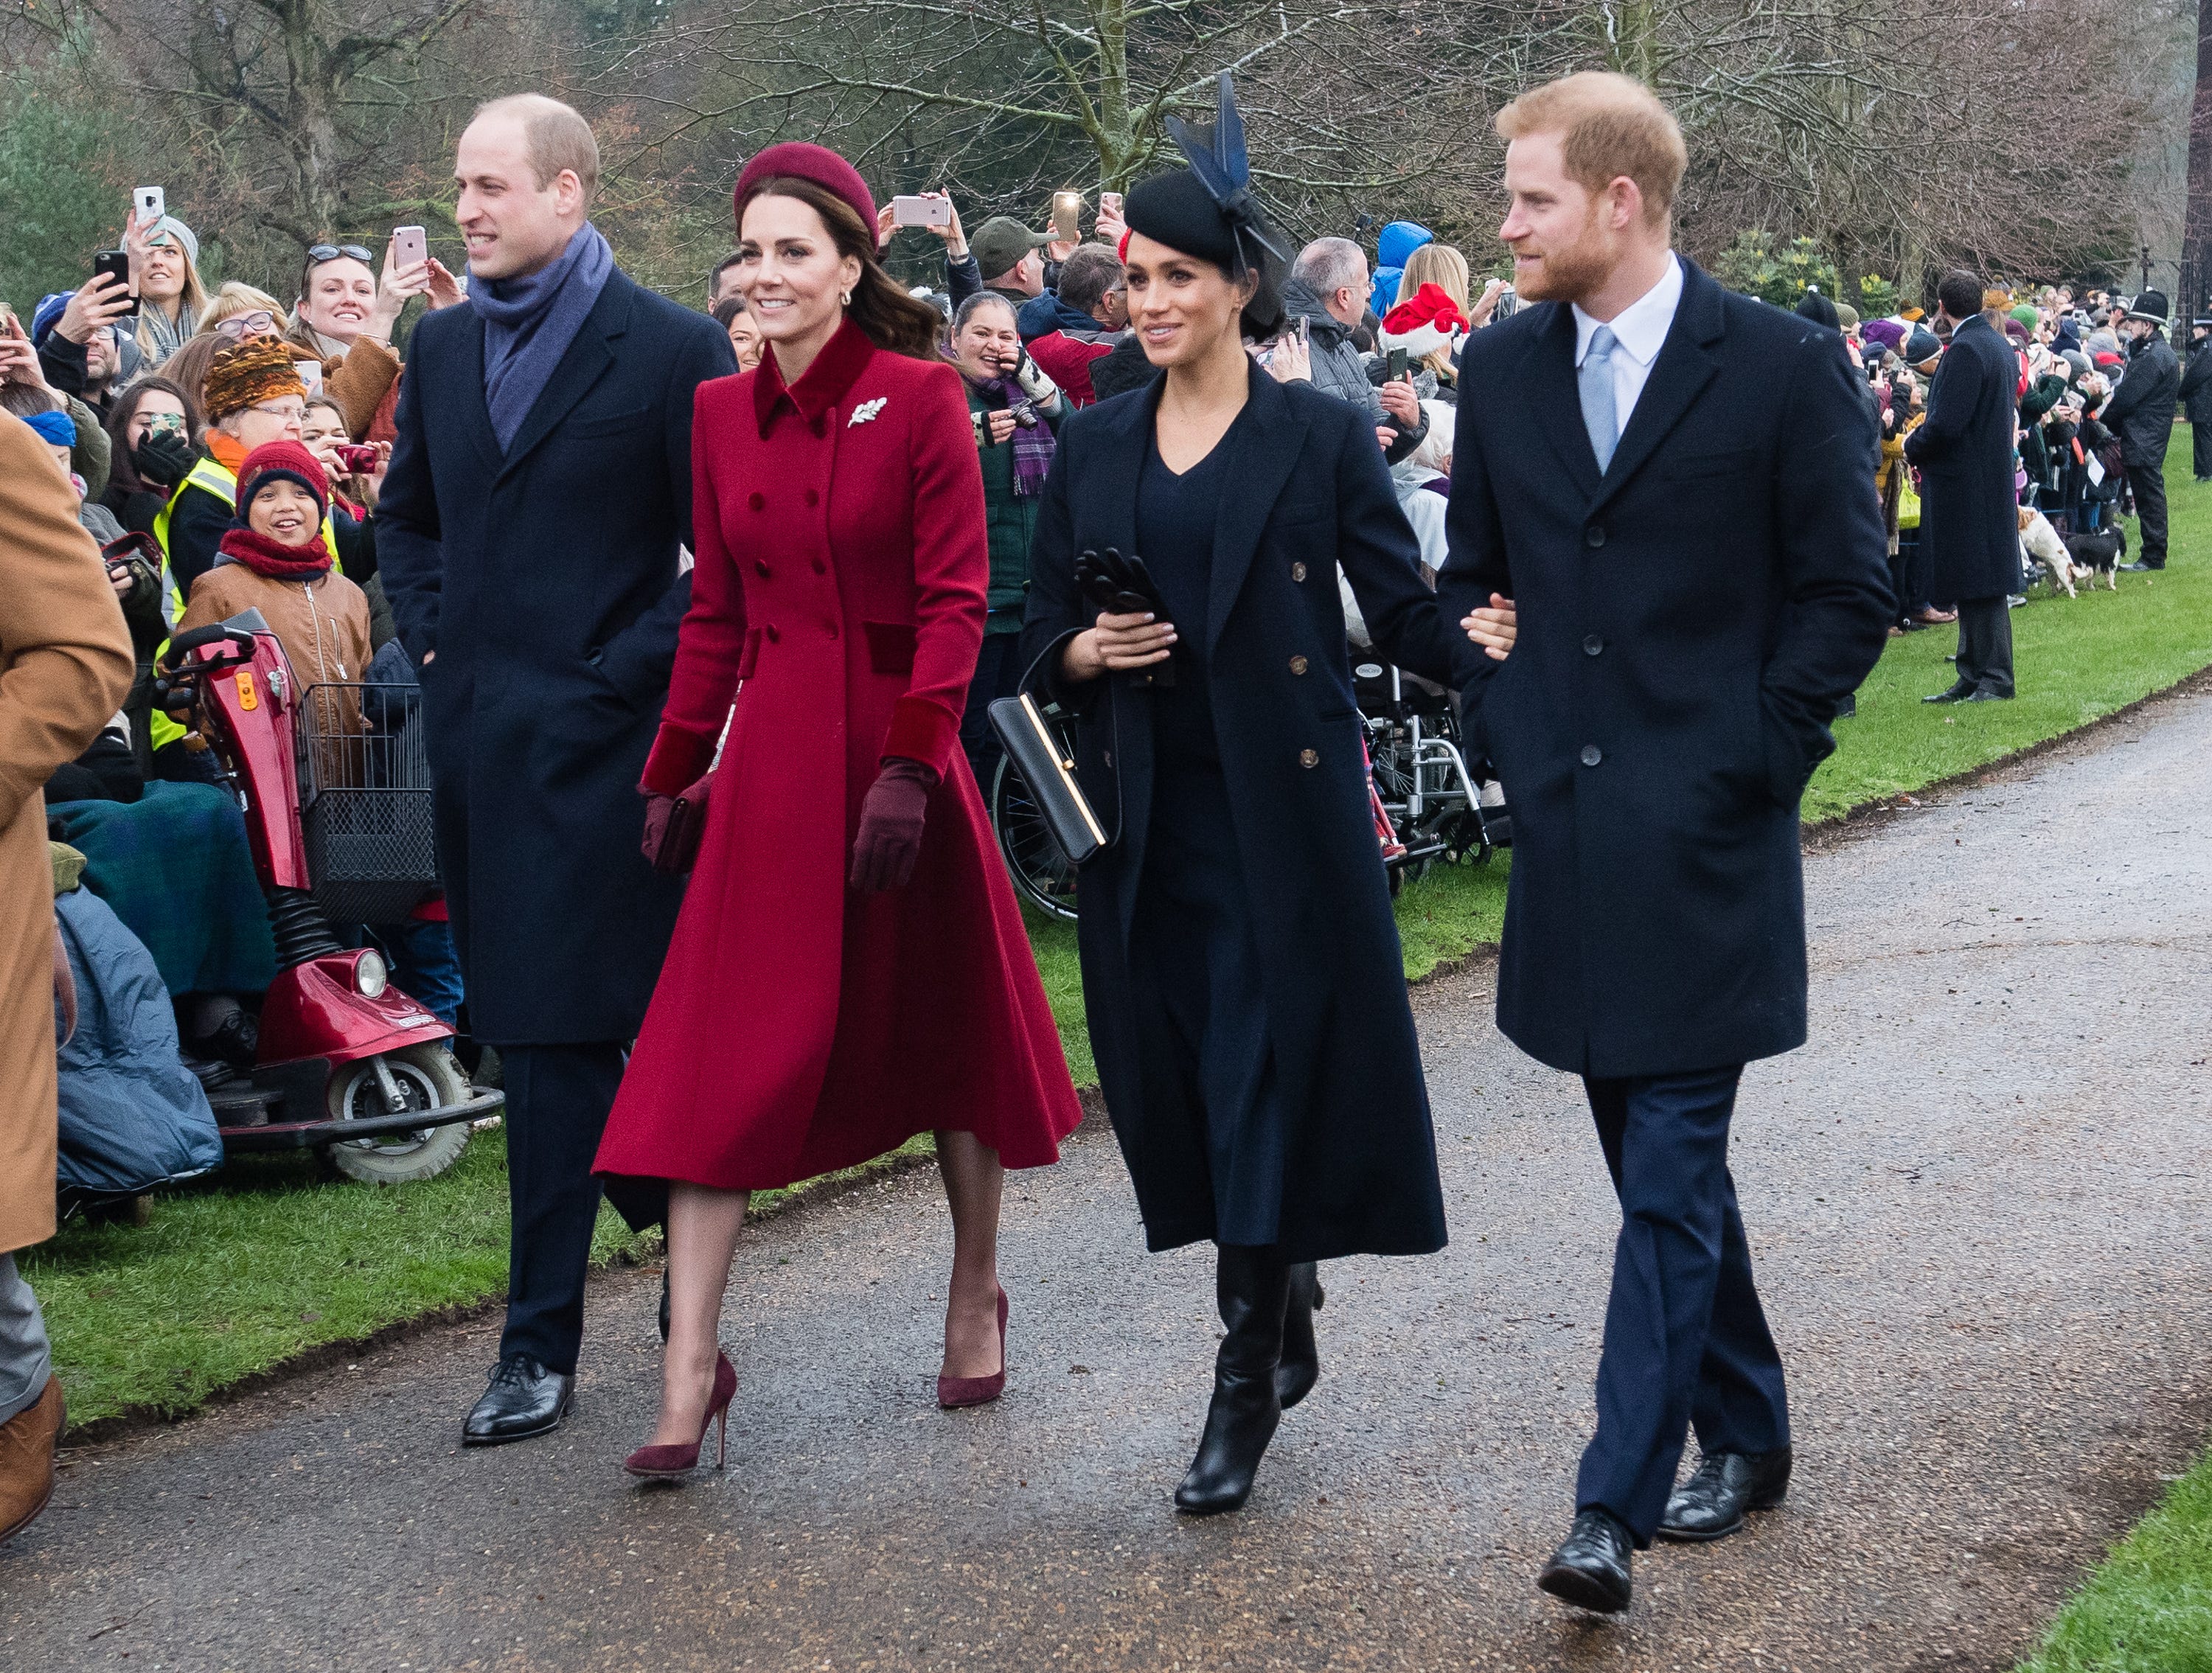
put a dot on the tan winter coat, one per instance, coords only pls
(64, 667)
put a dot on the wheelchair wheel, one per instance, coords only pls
(1041, 871)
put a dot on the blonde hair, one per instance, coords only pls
(237, 297)
(554, 135)
(1608, 125)
(1440, 265)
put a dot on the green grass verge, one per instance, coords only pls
(270, 1259)
(2149, 1609)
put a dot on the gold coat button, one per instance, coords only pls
(1298, 572)
(1298, 665)
(1310, 758)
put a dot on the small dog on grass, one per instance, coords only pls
(2100, 554)
(2041, 543)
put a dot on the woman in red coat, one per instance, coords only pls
(850, 968)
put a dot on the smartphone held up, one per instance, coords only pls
(915, 210)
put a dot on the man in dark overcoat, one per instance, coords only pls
(1674, 487)
(530, 525)
(2141, 413)
(1969, 509)
(2196, 393)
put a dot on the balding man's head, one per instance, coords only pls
(527, 167)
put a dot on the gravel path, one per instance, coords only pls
(1977, 1204)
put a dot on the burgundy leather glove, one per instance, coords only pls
(657, 809)
(671, 838)
(890, 840)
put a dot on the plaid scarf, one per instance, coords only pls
(1034, 443)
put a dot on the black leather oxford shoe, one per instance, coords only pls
(1590, 1568)
(1712, 1504)
(525, 1399)
(1958, 693)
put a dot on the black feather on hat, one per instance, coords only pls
(1208, 209)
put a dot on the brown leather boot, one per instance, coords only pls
(27, 1459)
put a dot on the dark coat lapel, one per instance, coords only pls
(1268, 440)
(1548, 376)
(1121, 462)
(582, 366)
(1684, 366)
(476, 409)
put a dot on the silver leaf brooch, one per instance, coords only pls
(866, 411)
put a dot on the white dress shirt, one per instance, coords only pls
(1640, 330)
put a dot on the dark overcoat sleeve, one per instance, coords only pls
(1953, 400)
(1833, 552)
(638, 660)
(1476, 565)
(410, 553)
(1381, 558)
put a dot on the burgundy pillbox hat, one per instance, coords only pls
(794, 159)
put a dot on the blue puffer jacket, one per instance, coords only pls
(132, 1116)
(1399, 240)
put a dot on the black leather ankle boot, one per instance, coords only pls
(1252, 1286)
(1301, 1366)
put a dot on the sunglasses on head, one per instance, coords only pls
(319, 253)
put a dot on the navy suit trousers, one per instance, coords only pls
(558, 1100)
(1685, 1343)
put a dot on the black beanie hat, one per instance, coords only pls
(1820, 310)
(1177, 210)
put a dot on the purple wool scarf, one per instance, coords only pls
(1034, 444)
(529, 323)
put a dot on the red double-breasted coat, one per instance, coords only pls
(799, 1026)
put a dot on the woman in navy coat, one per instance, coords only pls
(1241, 972)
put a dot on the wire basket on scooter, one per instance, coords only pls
(365, 801)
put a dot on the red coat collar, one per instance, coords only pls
(823, 383)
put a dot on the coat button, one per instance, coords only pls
(833, 630)
(758, 501)
(761, 569)
(820, 568)
(820, 427)
(1298, 665)
(1592, 754)
(1310, 758)
(1298, 572)
(774, 637)
(1592, 645)
(1594, 536)
(813, 498)
(1109, 757)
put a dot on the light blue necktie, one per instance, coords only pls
(1596, 382)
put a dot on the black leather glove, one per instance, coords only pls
(891, 817)
(162, 458)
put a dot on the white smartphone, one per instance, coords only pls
(409, 247)
(311, 374)
(150, 203)
(915, 211)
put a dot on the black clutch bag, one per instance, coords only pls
(1047, 767)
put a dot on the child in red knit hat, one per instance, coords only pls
(274, 559)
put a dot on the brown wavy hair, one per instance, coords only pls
(894, 321)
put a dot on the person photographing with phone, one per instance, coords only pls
(1018, 413)
(348, 312)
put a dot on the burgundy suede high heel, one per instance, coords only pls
(673, 1462)
(955, 1391)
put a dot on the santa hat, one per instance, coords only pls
(1426, 322)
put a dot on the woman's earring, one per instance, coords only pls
(845, 300)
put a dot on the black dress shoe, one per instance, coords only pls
(1958, 693)
(1983, 694)
(2141, 568)
(1301, 1366)
(1590, 1568)
(1712, 1504)
(1252, 1288)
(524, 1399)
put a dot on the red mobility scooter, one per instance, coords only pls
(339, 823)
